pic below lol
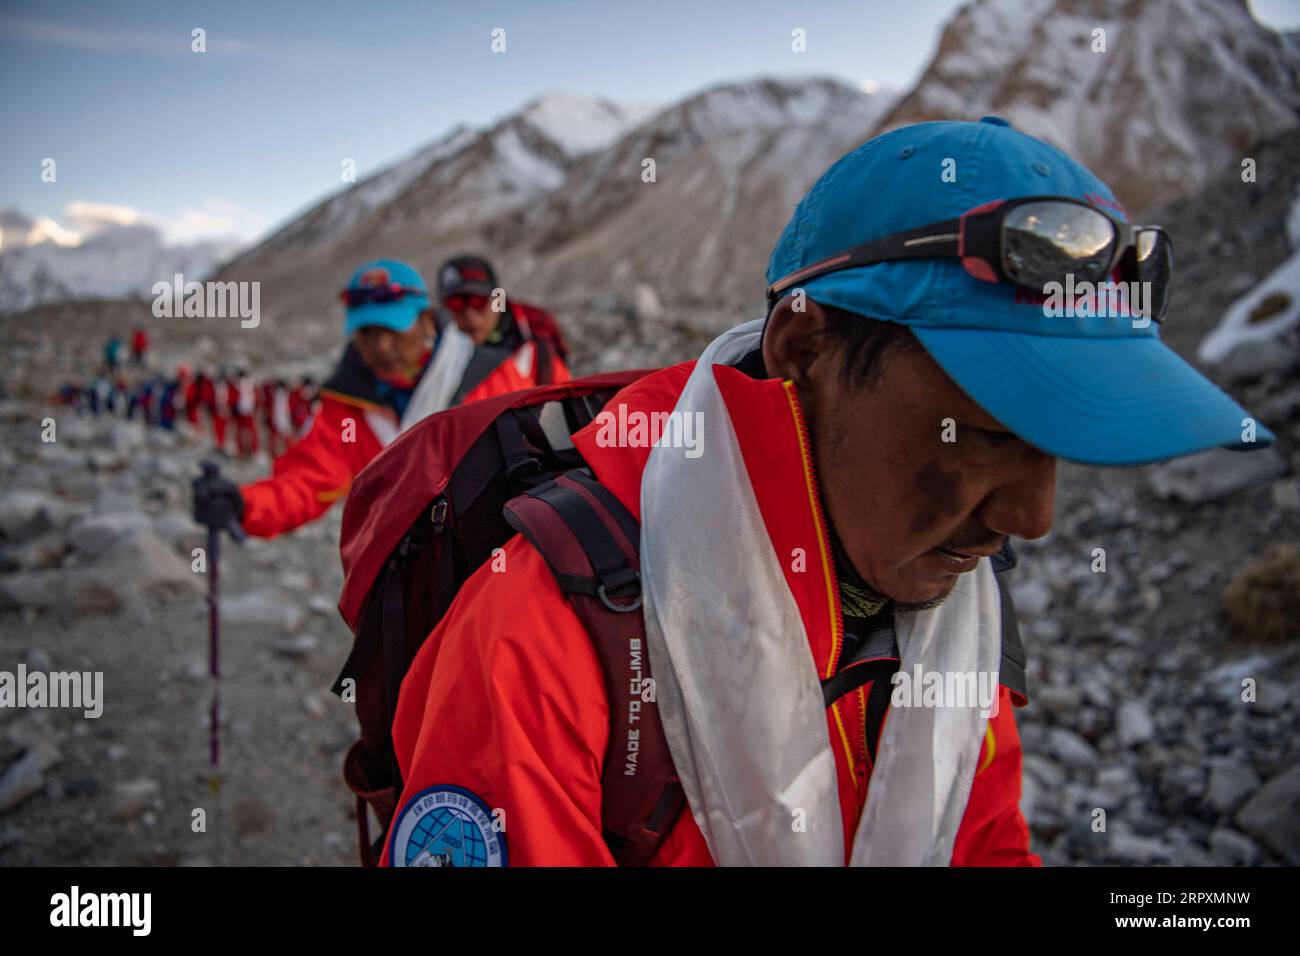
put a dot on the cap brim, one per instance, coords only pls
(469, 288)
(398, 316)
(1099, 401)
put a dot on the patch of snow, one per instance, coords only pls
(1293, 222)
(1236, 327)
(582, 124)
(523, 166)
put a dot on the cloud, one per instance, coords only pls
(17, 229)
(214, 219)
(35, 30)
(93, 217)
(294, 52)
(45, 229)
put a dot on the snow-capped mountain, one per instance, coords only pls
(1181, 89)
(324, 223)
(555, 193)
(441, 194)
(729, 165)
(117, 262)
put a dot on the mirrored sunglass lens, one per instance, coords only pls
(1155, 261)
(1043, 241)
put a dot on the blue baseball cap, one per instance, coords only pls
(1091, 389)
(399, 314)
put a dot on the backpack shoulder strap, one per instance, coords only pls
(591, 542)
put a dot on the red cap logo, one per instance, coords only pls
(373, 278)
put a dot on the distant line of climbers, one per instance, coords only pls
(276, 406)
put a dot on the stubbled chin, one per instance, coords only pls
(904, 593)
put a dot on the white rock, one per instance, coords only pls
(1215, 474)
(1272, 815)
(93, 534)
(20, 780)
(297, 646)
(1133, 724)
(142, 560)
(81, 590)
(25, 514)
(1230, 784)
(1071, 749)
(1233, 848)
(1031, 596)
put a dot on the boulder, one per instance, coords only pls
(1031, 596)
(1231, 782)
(1215, 474)
(179, 532)
(1071, 749)
(27, 514)
(261, 608)
(298, 646)
(133, 798)
(1133, 724)
(35, 554)
(1272, 815)
(1233, 848)
(1252, 360)
(20, 780)
(93, 534)
(143, 561)
(81, 590)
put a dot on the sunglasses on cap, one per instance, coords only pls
(379, 294)
(458, 303)
(1031, 242)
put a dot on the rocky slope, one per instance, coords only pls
(1183, 89)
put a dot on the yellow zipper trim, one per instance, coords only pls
(828, 569)
(814, 502)
(992, 747)
(353, 400)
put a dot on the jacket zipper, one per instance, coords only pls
(828, 564)
(819, 518)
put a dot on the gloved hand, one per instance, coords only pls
(217, 501)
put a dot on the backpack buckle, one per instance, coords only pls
(633, 605)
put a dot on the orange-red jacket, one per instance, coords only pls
(506, 699)
(317, 471)
(342, 439)
(534, 338)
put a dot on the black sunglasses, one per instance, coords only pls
(1031, 241)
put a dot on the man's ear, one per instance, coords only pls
(792, 340)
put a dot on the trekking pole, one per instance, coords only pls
(215, 508)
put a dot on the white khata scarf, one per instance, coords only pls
(738, 689)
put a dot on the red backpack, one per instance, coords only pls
(428, 512)
(545, 332)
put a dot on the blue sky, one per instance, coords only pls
(254, 130)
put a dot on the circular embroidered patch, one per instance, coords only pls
(446, 826)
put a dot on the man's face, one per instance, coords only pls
(912, 511)
(474, 316)
(392, 354)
